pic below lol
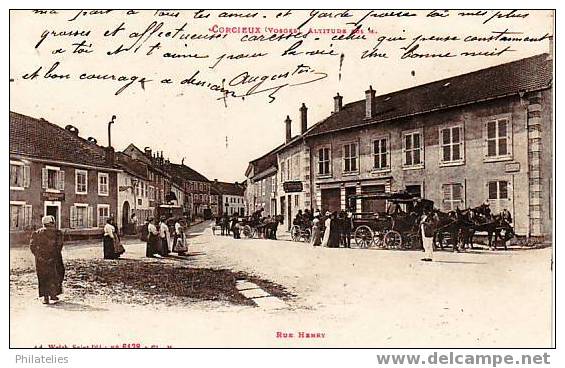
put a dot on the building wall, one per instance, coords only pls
(233, 204)
(33, 196)
(473, 173)
(138, 199)
(294, 165)
(260, 194)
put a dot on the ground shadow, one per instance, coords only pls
(75, 307)
(460, 262)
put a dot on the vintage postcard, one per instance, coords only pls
(281, 178)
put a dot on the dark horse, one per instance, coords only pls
(497, 227)
(447, 223)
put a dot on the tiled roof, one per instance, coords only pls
(228, 188)
(131, 166)
(187, 173)
(265, 162)
(529, 74)
(39, 138)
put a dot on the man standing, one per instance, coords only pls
(46, 245)
(427, 232)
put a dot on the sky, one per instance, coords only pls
(219, 137)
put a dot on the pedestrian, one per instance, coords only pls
(347, 228)
(427, 232)
(46, 245)
(134, 223)
(110, 241)
(327, 224)
(164, 236)
(316, 231)
(235, 227)
(179, 240)
(152, 239)
(335, 231)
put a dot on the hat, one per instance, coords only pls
(328, 213)
(486, 203)
(47, 220)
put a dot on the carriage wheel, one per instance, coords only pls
(295, 233)
(393, 239)
(363, 236)
(247, 231)
(306, 235)
(378, 239)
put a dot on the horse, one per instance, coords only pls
(446, 223)
(497, 227)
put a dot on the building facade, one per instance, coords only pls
(53, 171)
(231, 197)
(261, 185)
(460, 142)
(481, 136)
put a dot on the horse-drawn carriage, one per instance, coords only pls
(397, 228)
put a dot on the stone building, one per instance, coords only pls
(461, 141)
(231, 197)
(261, 185)
(54, 171)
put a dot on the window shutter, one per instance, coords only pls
(509, 134)
(27, 215)
(73, 223)
(44, 178)
(61, 180)
(90, 217)
(26, 176)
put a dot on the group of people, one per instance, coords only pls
(168, 236)
(266, 227)
(332, 230)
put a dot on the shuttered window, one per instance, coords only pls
(53, 178)
(81, 216)
(19, 175)
(20, 216)
(453, 196)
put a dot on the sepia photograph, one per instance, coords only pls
(281, 179)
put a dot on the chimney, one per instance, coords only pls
(72, 129)
(109, 130)
(109, 155)
(303, 119)
(148, 152)
(338, 103)
(369, 103)
(288, 123)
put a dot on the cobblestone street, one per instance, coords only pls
(290, 294)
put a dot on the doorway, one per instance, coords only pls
(373, 205)
(53, 209)
(125, 218)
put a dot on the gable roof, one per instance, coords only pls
(228, 188)
(38, 138)
(265, 162)
(524, 75)
(186, 172)
(131, 166)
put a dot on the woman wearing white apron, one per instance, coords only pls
(426, 231)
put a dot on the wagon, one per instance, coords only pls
(398, 228)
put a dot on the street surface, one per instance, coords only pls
(341, 298)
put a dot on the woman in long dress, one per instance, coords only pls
(327, 223)
(109, 238)
(316, 231)
(179, 239)
(335, 231)
(46, 245)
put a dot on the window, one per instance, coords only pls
(81, 216)
(273, 184)
(103, 184)
(53, 178)
(288, 169)
(380, 154)
(295, 167)
(350, 157)
(324, 161)
(20, 216)
(296, 200)
(498, 190)
(452, 146)
(453, 196)
(19, 175)
(263, 187)
(412, 148)
(103, 214)
(81, 181)
(498, 138)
